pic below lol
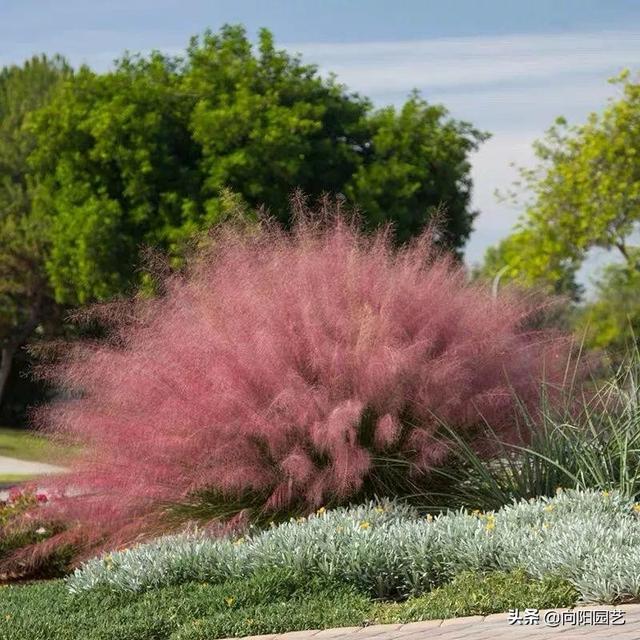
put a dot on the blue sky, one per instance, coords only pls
(509, 67)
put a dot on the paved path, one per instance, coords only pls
(15, 466)
(608, 626)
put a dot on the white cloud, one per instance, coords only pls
(455, 62)
(514, 86)
(494, 167)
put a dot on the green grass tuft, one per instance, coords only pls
(471, 594)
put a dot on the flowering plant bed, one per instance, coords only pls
(24, 521)
(375, 563)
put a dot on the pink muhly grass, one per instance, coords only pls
(281, 366)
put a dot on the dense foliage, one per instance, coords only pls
(589, 538)
(95, 166)
(591, 441)
(611, 319)
(583, 194)
(23, 522)
(271, 602)
(144, 154)
(287, 370)
(26, 297)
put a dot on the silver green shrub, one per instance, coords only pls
(592, 539)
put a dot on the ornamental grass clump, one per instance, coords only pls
(285, 370)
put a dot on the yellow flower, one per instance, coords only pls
(550, 507)
(429, 518)
(339, 529)
(636, 507)
(320, 511)
(364, 525)
(239, 541)
(605, 494)
(477, 513)
(8, 616)
(300, 519)
(559, 490)
(545, 525)
(379, 510)
(230, 600)
(491, 522)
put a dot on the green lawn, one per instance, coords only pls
(271, 602)
(9, 478)
(23, 444)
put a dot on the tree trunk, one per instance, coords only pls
(6, 359)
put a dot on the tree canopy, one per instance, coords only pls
(143, 154)
(612, 318)
(26, 297)
(585, 193)
(96, 166)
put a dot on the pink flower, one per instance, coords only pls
(277, 367)
(41, 497)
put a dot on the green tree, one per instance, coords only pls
(144, 155)
(417, 163)
(585, 193)
(612, 318)
(115, 167)
(267, 124)
(95, 166)
(26, 300)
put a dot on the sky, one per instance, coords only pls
(509, 67)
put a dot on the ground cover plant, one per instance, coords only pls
(591, 539)
(376, 563)
(268, 603)
(287, 370)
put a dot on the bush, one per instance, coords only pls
(590, 539)
(287, 371)
(593, 443)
